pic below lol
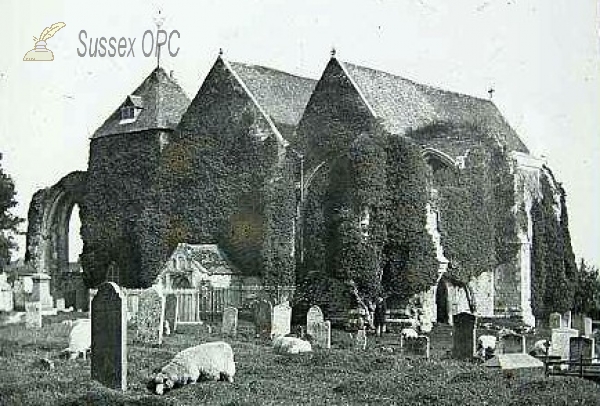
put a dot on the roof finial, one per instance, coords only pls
(491, 92)
(221, 52)
(158, 20)
(333, 52)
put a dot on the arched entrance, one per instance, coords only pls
(48, 227)
(441, 302)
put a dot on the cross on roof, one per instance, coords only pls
(491, 92)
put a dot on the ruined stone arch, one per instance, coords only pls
(438, 159)
(48, 225)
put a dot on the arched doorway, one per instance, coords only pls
(49, 218)
(441, 302)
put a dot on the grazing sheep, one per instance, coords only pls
(209, 361)
(290, 345)
(486, 346)
(80, 338)
(540, 348)
(408, 333)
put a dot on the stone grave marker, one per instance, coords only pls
(171, 310)
(555, 320)
(230, 321)
(314, 316)
(560, 342)
(109, 337)
(281, 323)
(577, 323)
(33, 315)
(512, 344)
(419, 345)
(148, 322)
(580, 347)
(262, 318)
(41, 291)
(464, 333)
(361, 339)
(587, 327)
(321, 334)
(60, 304)
(566, 320)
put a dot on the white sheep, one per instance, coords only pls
(409, 333)
(80, 338)
(540, 348)
(209, 361)
(486, 346)
(290, 345)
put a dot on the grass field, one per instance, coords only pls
(340, 376)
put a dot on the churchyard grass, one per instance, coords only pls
(342, 375)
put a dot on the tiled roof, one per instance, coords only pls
(404, 104)
(162, 103)
(281, 95)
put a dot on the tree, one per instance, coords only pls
(8, 222)
(587, 290)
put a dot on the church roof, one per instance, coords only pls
(404, 104)
(159, 101)
(281, 95)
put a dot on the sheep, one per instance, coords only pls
(486, 346)
(408, 333)
(80, 338)
(209, 361)
(540, 348)
(290, 345)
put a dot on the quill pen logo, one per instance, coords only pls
(40, 52)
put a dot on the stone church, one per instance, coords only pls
(236, 167)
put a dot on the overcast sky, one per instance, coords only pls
(542, 58)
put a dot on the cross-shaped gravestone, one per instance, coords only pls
(109, 337)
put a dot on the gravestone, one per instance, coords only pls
(109, 337)
(230, 321)
(555, 321)
(60, 304)
(464, 333)
(281, 323)
(512, 344)
(314, 316)
(321, 334)
(560, 342)
(149, 320)
(262, 318)
(577, 323)
(171, 311)
(41, 291)
(361, 339)
(566, 320)
(419, 345)
(587, 327)
(33, 315)
(6, 295)
(581, 349)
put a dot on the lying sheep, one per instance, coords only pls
(290, 345)
(209, 361)
(486, 346)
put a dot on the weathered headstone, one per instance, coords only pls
(41, 291)
(171, 310)
(361, 339)
(577, 322)
(581, 349)
(281, 323)
(555, 321)
(230, 321)
(33, 315)
(60, 304)
(6, 295)
(314, 316)
(587, 327)
(149, 320)
(321, 334)
(560, 342)
(416, 346)
(512, 344)
(262, 318)
(566, 320)
(464, 333)
(109, 337)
